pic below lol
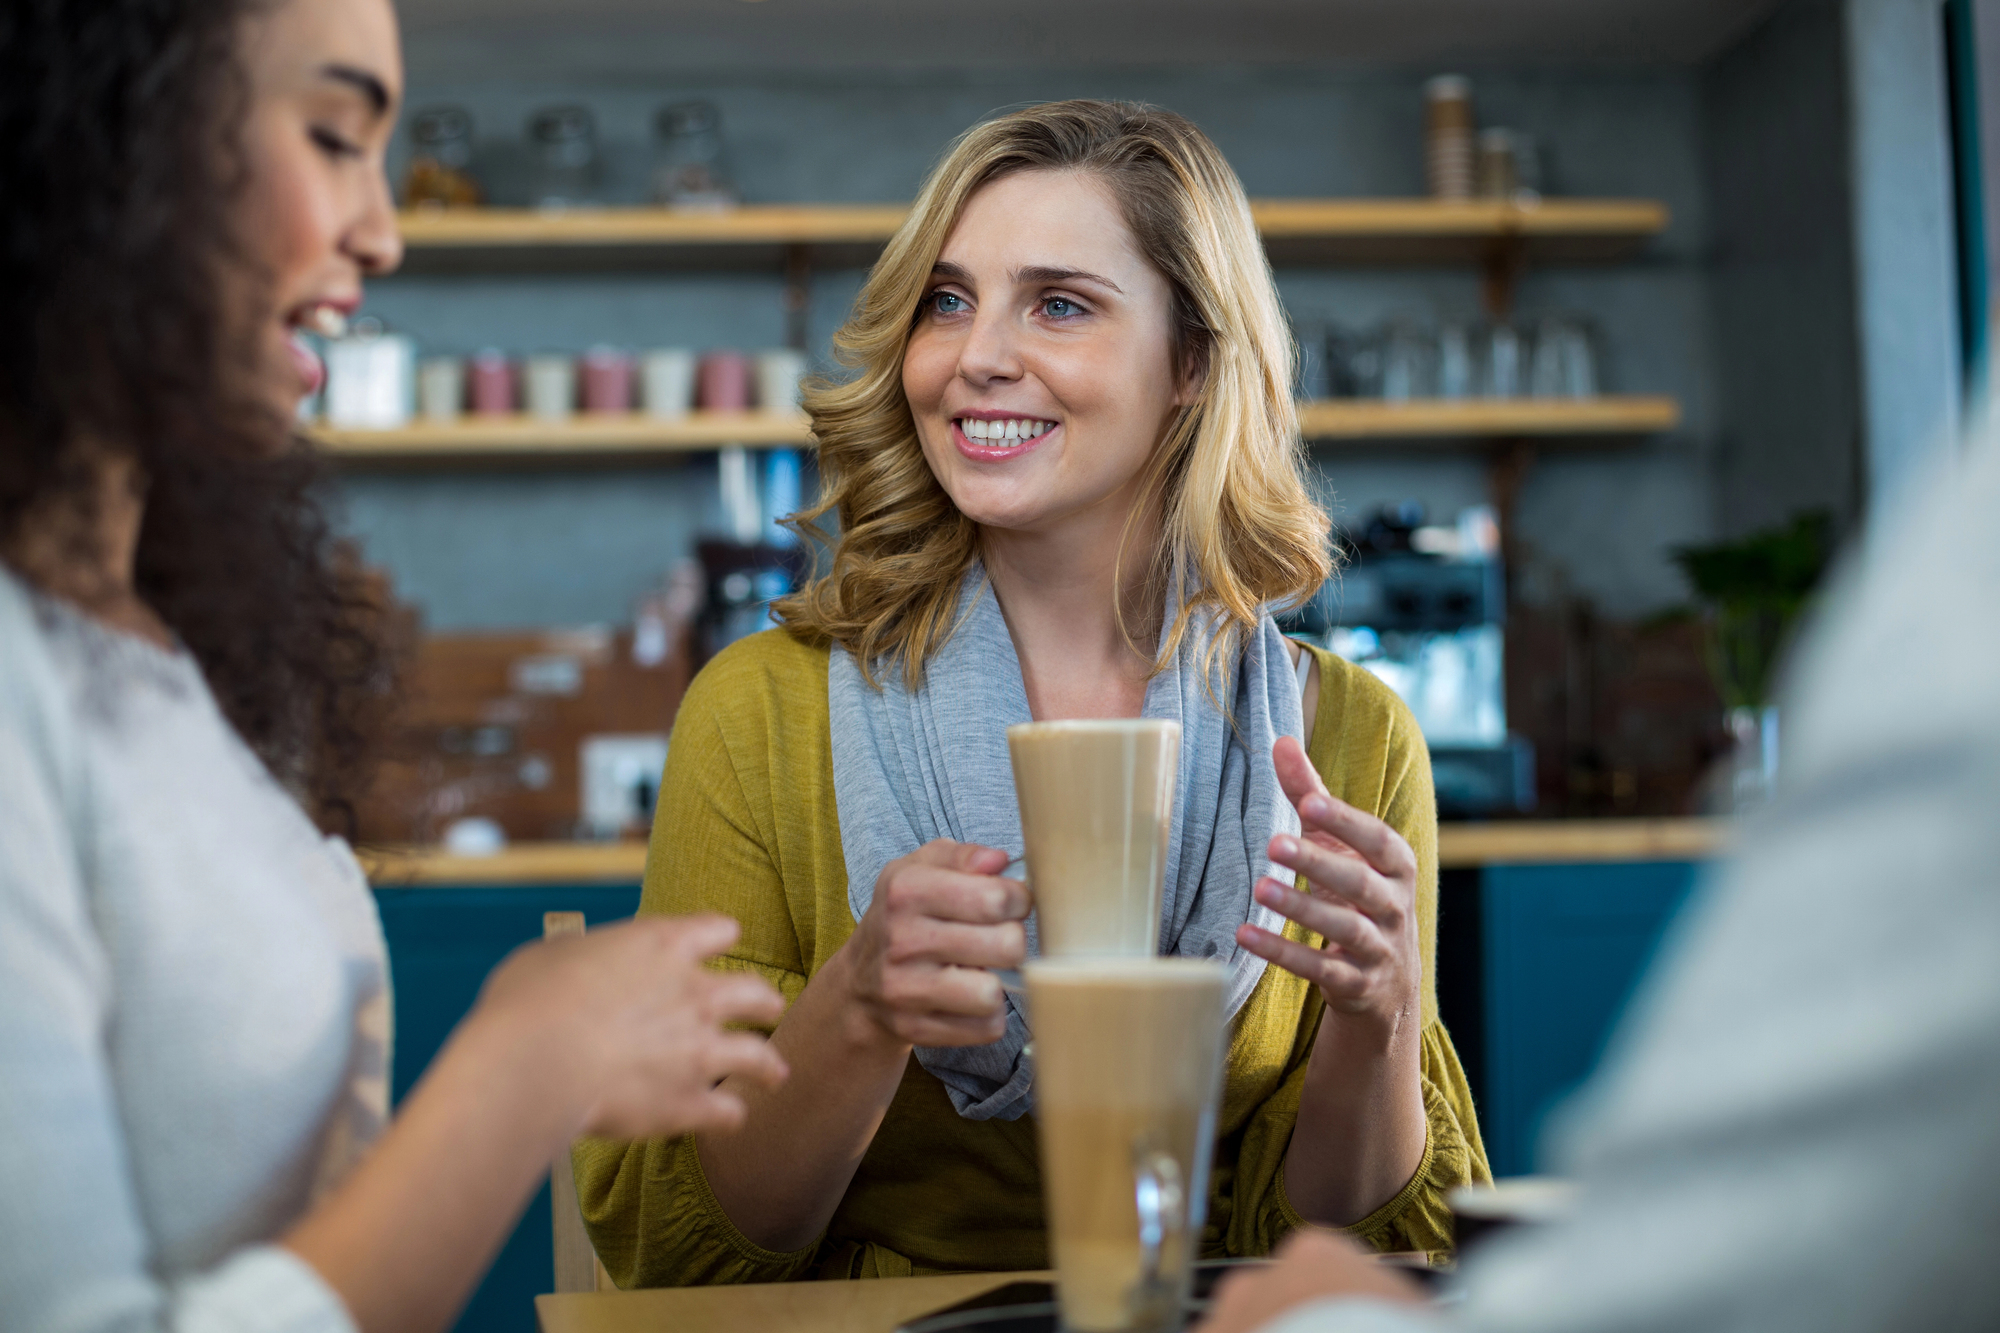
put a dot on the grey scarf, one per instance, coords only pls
(910, 767)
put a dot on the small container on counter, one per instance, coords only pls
(441, 388)
(1448, 137)
(370, 377)
(779, 371)
(724, 381)
(667, 382)
(490, 377)
(551, 386)
(607, 380)
(688, 169)
(1499, 172)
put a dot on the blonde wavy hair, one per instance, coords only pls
(1238, 528)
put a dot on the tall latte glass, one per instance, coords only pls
(1097, 805)
(1128, 1068)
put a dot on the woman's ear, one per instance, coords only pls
(1194, 374)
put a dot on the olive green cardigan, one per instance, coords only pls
(747, 826)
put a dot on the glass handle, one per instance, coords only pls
(1162, 1206)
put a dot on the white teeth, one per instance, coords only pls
(1018, 428)
(327, 322)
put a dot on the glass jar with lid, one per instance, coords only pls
(689, 163)
(440, 171)
(564, 140)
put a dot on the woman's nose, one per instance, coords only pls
(990, 351)
(374, 241)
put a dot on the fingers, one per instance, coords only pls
(952, 895)
(1344, 877)
(739, 997)
(969, 857)
(1337, 977)
(1296, 775)
(1379, 845)
(1355, 935)
(742, 1055)
(966, 992)
(927, 940)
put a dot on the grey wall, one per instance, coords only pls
(563, 547)
(1775, 125)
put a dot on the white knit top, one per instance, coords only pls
(194, 1016)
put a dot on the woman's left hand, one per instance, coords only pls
(1363, 901)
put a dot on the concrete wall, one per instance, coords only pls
(541, 547)
(1775, 129)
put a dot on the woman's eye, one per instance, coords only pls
(1060, 307)
(946, 303)
(333, 145)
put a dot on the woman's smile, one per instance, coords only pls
(992, 437)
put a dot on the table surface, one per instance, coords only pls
(1459, 845)
(873, 1306)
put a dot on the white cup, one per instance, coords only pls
(441, 388)
(666, 382)
(779, 371)
(551, 386)
(369, 379)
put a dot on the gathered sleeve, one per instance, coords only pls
(647, 1204)
(1370, 753)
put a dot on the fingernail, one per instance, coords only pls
(1317, 806)
(1284, 845)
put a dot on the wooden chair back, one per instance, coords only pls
(577, 1265)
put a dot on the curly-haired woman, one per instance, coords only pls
(1067, 479)
(193, 1016)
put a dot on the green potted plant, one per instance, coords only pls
(1754, 590)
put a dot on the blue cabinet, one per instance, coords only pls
(442, 943)
(1562, 948)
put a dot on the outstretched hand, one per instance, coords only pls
(1311, 1266)
(1363, 880)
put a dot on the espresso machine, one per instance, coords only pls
(1423, 608)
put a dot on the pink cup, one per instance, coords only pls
(724, 381)
(607, 380)
(490, 383)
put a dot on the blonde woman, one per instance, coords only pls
(1067, 481)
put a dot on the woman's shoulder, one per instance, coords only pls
(1365, 740)
(769, 669)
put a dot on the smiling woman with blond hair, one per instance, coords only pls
(1066, 471)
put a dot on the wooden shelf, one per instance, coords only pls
(1296, 231)
(1537, 842)
(519, 435)
(475, 438)
(1448, 419)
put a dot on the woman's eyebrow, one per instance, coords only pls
(367, 84)
(1039, 273)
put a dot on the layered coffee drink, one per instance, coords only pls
(1128, 1070)
(1097, 806)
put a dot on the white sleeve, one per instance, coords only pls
(74, 1253)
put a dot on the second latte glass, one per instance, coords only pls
(1097, 805)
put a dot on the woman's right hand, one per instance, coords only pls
(632, 1019)
(917, 962)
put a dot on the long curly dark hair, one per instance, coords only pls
(119, 172)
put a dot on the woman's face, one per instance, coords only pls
(315, 215)
(1041, 370)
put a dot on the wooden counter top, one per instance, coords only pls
(1460, 845)
(874, 1306)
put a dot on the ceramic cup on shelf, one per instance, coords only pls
(779, 371)
(441, 388)
(607, 380)
(551, 385)
(666, 382)
(490, 380)
(725, 381)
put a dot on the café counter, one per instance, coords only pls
(1544, 928)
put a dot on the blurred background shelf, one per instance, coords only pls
(1296, 231)
(521, 435)
(634, 434)
(1446, 419)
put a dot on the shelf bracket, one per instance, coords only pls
(798, 294)
(1501, 272)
